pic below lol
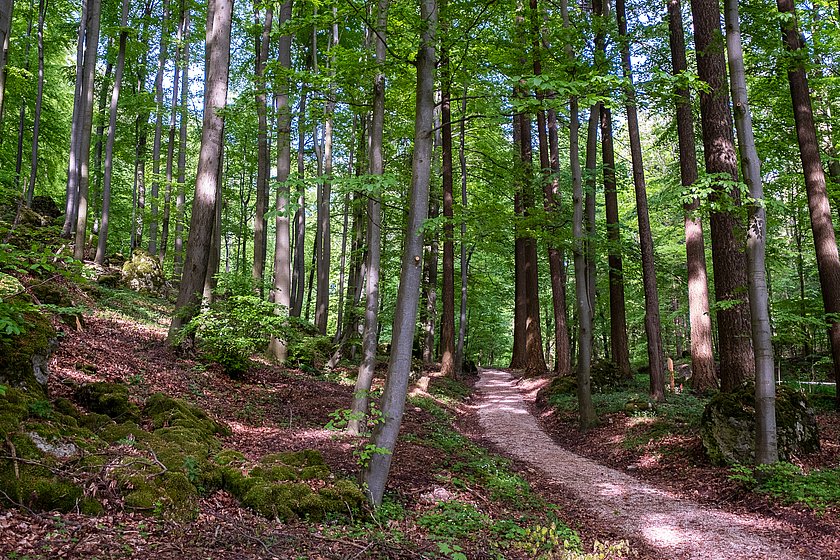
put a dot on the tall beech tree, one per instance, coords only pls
(728, 257)
(822, 228)
(703, 378)
(6, 8)
(219, 15)
(262, 45)
(447, 317)
(375, 475)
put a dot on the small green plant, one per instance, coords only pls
(816, 489)
(453, 520)
(364, 453)
(41, 409)
(136, 379)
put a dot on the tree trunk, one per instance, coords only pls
(6, 8)
(298, 272)
(766, 449)
(22, 112)
(822, 228)
(102, 245)
(262, 45)
(590, 231)
(99, 116)
(656, 357)
(733, 318)
(214, 260)
(520, 302)
(282, 255)
(180, 200)
(703, 378)
(212, 142)
(74, 162)
(430, 273)
(141, 124)
(393, 398)
(164, 43)
(370, 335)
(447, 319)
(39, 98)
(462, 319)
(89, 72)
(583, 303)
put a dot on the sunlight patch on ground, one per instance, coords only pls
(662, 534)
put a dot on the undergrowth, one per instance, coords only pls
(818, 489)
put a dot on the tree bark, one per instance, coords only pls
(447, 319)
(766, 449)
(828, 262)
(399, 367)
(656, 357)
(39, 99)
(462, 319)
(219, 14)
(733, 315)
(282, 255)
(180, 200)
(89, 72)
(6, 9)
(298, 273)
(102, 244)
(370, 335)
(164, 43)
(22, 112)
(262, 45)
(74, 162)
(703, 378)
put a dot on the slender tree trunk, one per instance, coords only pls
(520, 309)
(703, 378)
(282, 255)
(399, 367)
(590, 227)
(262, 45)
(73, 165)
(39, 99)
(298, 272)
(656, 357)
(219, 14)
(6, 8)
(22, 112)
(180, 200)
(141, 124)
(462, 319)
(342, 264)
(370, 335)
(91, 45)
(733, 318)
(164, 43)
(583, 303)
(430, 273)
(99, 116)
(766, 449)
(822, 227)
(447, 319)
(102, 245)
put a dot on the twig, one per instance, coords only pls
(340, 541)
(14, 457)
(18, 504)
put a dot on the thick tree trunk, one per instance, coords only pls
(89, 72)
(733, 317)
(262, 45)
(656, 357)
(219, 14)
(39, 99)
(520, 302)
(822, 228)
(703, 378)
(399, 367)
(370, 335)
(102, 245)
(282, 255)
(590, 227)
(766, 449)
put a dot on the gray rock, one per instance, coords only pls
(58, 449)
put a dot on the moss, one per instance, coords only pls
(237, 483)
(110, 399)
(14, 409)
(170, 495)
(282, 500)
(305, 458)
(114, 432)
(24, 358)
(314, 472)
(274, 473)
(166, 411)
(36, 488)
(95, 422)
(143, 273)
(67, 408)
(345, 491)
(227, 457)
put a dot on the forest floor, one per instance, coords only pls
(660, 518)
(449, 497)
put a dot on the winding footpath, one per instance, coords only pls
(672, 526)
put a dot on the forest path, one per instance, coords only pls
(673, 527)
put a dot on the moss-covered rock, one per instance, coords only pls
(24, 359)
(45, 206)
(727, 427)
(143, 273)
(638, 405)
(170, 495)
(166, 411)
(110, 399)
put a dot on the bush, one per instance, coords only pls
(231, 329)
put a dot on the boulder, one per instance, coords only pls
(727, 427)
(143, 273)
(46, 206)
(24, 358)
(639, 405)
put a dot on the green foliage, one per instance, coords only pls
(233, 328)
(451, 520)
(817, 489)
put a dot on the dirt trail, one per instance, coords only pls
(674, 527)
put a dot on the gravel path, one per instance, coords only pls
(675, 527)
